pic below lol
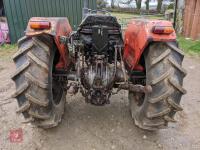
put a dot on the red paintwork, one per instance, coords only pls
(137, 37)
(59, 27)
(139, 67)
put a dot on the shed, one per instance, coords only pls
(191, 26)
(18, 12)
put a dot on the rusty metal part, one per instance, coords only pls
(136, 88)
(59, 27)
(119, 47)
(137, 37)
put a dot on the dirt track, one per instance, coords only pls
(87, 127)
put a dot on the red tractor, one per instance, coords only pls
(52, 61)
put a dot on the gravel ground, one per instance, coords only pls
(110, 127)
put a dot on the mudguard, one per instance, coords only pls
(138, 35)
(59, 27)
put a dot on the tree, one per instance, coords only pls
(138, 3)
(112, 3)
(101, 4)
(147, 4)
(159, 6)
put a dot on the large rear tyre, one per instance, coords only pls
(41, 99)
(164, 72)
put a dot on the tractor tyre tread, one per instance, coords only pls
(31, 78)
(165, 74)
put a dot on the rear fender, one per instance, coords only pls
(59, 27)
(138, 35)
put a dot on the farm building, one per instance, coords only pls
(188, 18)
(191, 19)
(18, 12)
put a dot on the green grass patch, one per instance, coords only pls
(125, 18)
(189, 46)
(6, 51)
(122, 15)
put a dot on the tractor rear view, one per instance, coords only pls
(96, 60)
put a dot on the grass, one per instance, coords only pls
(121, 15)
(189, 46)
(128, 16)
(124, 15)
(124, 18)
(6, 51)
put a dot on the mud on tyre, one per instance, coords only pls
(164, 72)
(41, 99)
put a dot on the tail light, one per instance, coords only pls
(163, 30)
(40, 25)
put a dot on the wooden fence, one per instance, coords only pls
(192, 19)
